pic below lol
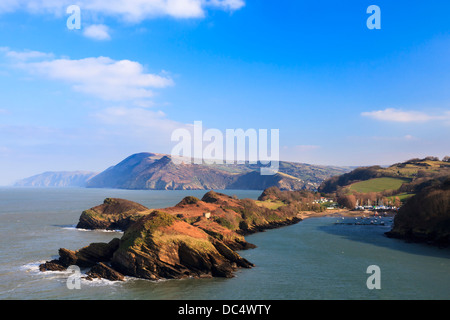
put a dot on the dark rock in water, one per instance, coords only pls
(102, 271)
(54, 265)
(231, 255)
(96, 252)
(67, 257)
(85, 257)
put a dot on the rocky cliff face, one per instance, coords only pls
(86, 257)
(195, 238)
(163, 246)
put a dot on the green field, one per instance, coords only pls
(402, 196)
(378, 185)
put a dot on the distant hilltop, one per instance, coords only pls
(158, 172)
(57, 179)
(153, 171)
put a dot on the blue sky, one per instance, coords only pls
(339, 93)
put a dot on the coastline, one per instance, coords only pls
(338, 213)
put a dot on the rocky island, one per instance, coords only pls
(195, 238)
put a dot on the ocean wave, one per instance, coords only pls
(33, 267)
(102, 282)
(74, 227)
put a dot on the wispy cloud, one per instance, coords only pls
(102, 77)
(138, 118)
(130, 10)
(97, 32)
(25, 55)
(406, 116)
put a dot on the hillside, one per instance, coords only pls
(378, 184)
(57, 179)
(157, 172)
(408, 176)
(426, 216)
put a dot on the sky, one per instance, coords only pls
(338, 92)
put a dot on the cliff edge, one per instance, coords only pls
(196, 238)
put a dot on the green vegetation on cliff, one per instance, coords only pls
(426, 216)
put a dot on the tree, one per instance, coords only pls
(347, 201)
(372, 196)
(446, 159)
(397, 202)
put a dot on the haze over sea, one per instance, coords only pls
(314, 259)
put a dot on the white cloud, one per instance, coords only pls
(25, 55)
(396, 115)
(9, 5)
(97, 32)
(136, 117)
(130, 10)
(229, 5)
(101, 77)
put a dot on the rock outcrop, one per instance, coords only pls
(196, 238)
(84, 258)
(113, 214)
(163, 246)
(102, 271)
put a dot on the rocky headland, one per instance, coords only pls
(195, 238)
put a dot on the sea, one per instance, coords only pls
(316, 259)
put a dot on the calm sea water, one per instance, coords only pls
(315, 259)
